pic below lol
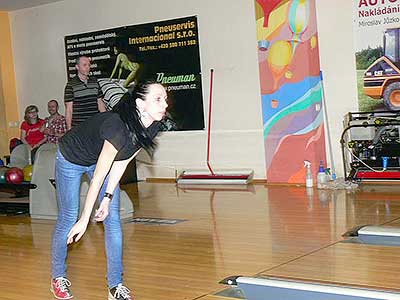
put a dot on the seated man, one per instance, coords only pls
(56, 125)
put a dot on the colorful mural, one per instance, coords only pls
(291, 90)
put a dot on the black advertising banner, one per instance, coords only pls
(165, 51)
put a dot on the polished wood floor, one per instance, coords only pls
(271, 231)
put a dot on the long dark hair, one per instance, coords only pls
(130, 115)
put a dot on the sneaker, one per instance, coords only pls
(60, 288)
(119, 292)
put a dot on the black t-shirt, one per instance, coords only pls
(82, 144)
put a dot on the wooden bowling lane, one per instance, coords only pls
(394, 223)
(360, 265)
(382, 191)
(355, 264)
(213, 297)
(268, 228)
(225, 233)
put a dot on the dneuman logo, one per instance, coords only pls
(161, 78)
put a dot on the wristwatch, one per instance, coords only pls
(108, 195)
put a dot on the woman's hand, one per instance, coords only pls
(102, 211)
(77, 231)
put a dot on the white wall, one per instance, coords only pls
(336, 45)
(227, 44)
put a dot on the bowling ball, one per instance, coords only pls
(14, 143)
(14, 176)
(3, 175)
(27, 173)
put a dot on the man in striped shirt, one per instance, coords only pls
(82, 96)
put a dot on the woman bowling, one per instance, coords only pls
(101, 147)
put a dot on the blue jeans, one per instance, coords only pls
(68, 181)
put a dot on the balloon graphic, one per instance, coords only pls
(288, 74)
(298, 20)
(279, 57)
(263, 45)
(313, 42)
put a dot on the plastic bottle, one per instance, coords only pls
(309, 177)
(328, 174)
(385, 162)
(321, 176)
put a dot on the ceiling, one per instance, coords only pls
(10, 5)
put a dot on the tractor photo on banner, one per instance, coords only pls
(166, 52)
(377, 44)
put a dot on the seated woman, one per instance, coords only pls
(30, 130)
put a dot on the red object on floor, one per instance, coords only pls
(214, 176)
(378, 175)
